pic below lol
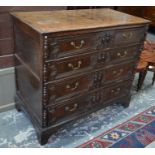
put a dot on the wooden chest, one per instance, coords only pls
(72, 63)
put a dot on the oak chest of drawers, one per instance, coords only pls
(72, 63)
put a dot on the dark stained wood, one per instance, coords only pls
(72, 44)
(129, 36)
(149, 13)
(119, 71)
(124, 53)
(29, 84)
(132, 10)
(69, 65)
(68, 87)
(142, 70)
(82, 62)
(87, 102)
(6, 30)
(30, 8)
(29, 55)
(87, 7)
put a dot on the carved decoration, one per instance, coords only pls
(102, 57)
(53, 49)
(45, 47)
(52, 110)
(52, 96)
(44, 110)
(44, 118)
(93, 60)
(105, 39)
(95, 98)
(52, 71)
(97, 79)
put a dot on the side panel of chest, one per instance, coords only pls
(28, 69)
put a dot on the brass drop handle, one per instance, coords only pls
(73, 67)
(122, 55)
(118, 73)
(71, 109)
(115, 91)
(82, 42)
(68, 86)
(128, 35)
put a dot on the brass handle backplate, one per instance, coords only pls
(82, 42)
(73, 67)
(71, 108)
(118, 73)
(127, 35)
(68, 86)
(122, 55)
(115, 91)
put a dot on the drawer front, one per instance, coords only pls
(76, 64)
(119, 71)
(69, 66)
(117, 90)
(114, 73)
(87, 102)
(125, 53)
(85, 62)
(67, 109)
(69, 87)
(129, 36)
(61, 47)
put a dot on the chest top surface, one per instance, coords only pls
(69, 20)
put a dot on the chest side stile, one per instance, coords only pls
(44, 40)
